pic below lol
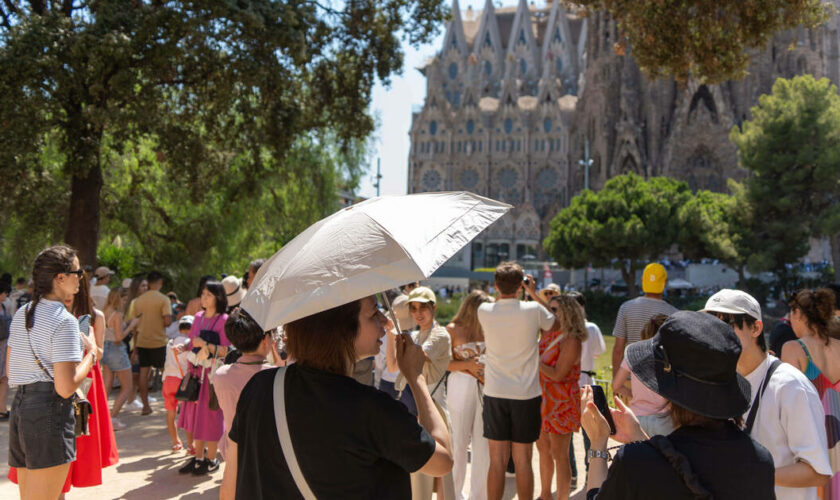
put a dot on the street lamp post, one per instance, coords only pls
(586, 162)
(378, 177)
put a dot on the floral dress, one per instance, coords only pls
(560, 398)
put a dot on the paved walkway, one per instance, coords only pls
(147, 469)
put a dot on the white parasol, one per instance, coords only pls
(364, 249)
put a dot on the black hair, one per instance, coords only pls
(243, 332)
(835, 287)
(256, 264)
(7, 277)
(739, 320)
(154, 277)
(5, 287)
(203, 281)
(218, 290)
(21, 281)
(49, 263)
(579, 297)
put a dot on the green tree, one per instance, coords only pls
(718, 226)
(792, 147)
(214, 85)
(630, 221)
(704, 39)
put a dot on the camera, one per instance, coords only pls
(527, 281)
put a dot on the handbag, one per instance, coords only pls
(213, 400)
(189, 388)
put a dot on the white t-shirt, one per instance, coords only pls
(591, 349)
(511, 336)
(170, 367)
(99, 294)
(790, 423)
(54, 337)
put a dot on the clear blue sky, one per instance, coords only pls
(393, 107)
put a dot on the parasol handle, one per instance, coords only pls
(391, 310)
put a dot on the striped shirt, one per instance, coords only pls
(54, 337)
(634, 314)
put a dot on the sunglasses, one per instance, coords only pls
(78, 272)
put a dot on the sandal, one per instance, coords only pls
(177, 447)
(190, 450)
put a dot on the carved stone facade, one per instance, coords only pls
(516, 92)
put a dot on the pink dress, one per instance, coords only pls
(196, 416)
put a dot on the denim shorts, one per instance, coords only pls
(41, 428)
(116, 357)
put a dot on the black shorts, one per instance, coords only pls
(516, 420)
(155, 356)
(41, 428)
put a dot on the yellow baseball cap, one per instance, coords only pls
(422, 294)
(654, 278)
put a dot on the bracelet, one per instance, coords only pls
(605, 454)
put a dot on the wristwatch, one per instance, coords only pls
(599, 454)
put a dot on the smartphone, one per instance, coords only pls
(84, 324)
(600, 400)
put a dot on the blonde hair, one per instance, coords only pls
(571, 316)
(114, 300)
(467, 316)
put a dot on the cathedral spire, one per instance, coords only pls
(522, 55)
(455, 38)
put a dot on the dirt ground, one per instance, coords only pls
(147, 469)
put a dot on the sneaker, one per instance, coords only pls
(206, 466)
(135, 405)
(152, 400)
(118, 426)
(190, 467)
(574, 483)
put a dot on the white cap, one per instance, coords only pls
(733, 302)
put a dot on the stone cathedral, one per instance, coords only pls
(516, 95)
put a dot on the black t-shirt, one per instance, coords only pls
(351, 440)
(728, 463)
(780, 334)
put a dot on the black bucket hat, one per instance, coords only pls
(691, 361)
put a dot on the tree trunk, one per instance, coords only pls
(628, 273)
(742, 280)
(835, 255)
(83, 217)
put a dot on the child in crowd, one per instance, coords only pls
(173, 372)
(651, 409)
(254, 344)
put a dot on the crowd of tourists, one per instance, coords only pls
(364, 400)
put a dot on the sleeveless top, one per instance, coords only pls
(830, 398)
(110, 333)
(468, 350)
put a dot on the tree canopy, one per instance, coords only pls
(792, 147)
(625, 224)
(704, 39)
(164, 115)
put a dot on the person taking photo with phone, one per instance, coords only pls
(691, 362)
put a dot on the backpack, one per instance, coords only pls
(5, 322)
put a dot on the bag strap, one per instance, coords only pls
(177, 361)
(681, 465)
(31, 349)
(285, 438)
(754, 410)
(442, 380)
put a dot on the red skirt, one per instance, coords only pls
(96, 450)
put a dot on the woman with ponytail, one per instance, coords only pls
(816, 353)
(46, 366)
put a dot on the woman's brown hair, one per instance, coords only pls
(682, 416)
(467, 316)
(82, 303)
(652, 326)
(49, 263)
(818, 307)
(326, 340)
(114, 300)
(571, 316)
